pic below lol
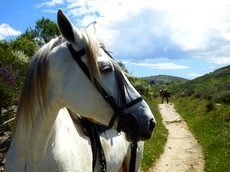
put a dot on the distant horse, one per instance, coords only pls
(164, 94)
(76, 71)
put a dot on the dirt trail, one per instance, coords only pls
(182, 153)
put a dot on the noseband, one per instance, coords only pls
(125, 119)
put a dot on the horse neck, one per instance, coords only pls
(52, 136)
(33, 136)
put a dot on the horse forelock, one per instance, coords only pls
(34, 88)
(92, 52)
(92, 46)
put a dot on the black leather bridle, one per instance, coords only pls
(124, 118)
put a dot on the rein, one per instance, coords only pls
(93, 131)
(124, 119)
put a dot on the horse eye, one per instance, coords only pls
(105, 66)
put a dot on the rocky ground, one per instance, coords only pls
(4, 146)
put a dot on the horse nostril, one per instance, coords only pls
(152, 125)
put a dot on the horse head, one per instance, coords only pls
(92, 84)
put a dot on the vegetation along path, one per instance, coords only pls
(182, 153)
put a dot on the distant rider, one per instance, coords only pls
(167, 95)
(164, 93)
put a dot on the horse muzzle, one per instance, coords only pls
(128, 123)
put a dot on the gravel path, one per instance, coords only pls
(182, 153)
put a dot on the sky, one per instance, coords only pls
(184, 38)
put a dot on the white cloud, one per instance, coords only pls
(195, 75)
(49, 11)
(50, 3)
(7, 31)
(221, 60)
(170, 66)
(147, 29)
(212, 67)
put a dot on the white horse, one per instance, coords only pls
(55, 80)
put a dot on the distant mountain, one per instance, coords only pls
(163, 79)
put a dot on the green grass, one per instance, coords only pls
(155, 146)
(210, 127)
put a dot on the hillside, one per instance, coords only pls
(216, 77)
(163, 79)
(204, 104)
(215, 80)
(213, 86)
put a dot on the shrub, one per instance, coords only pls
(222, 96)
(210, 105)
(141, 86)
(208, 96)
(10, 84)
(13, 65)
(189, 92)
(198, 94)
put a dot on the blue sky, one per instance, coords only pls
(185, 38)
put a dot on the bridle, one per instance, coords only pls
(93, 131)
(125, 119)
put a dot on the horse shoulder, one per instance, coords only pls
(67, 147)
(14, 164)
(114, 145)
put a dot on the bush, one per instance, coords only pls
(10, 84)
(198, 94)
(210, 105)
(13, 65)
(189, 92)
(208, 96)
(222, 97)
(141, 86)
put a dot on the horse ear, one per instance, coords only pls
(91, 27)
(69, 32)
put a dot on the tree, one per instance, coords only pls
(45, 30)
(26, 44)
(122, 65)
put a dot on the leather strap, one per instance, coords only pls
(132, 162)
